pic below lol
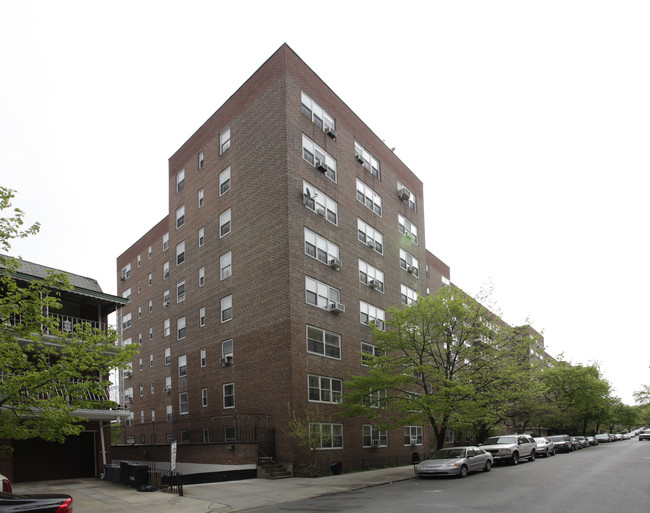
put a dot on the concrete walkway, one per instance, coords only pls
(97, 496)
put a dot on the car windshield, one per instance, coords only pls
(540, 440)
(445, 454)
(498, 440)
(557, 438)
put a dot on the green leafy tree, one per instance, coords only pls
(300, 428)
(48, 373)
(444, 360)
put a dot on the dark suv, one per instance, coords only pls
(510, 448)
(563, 443)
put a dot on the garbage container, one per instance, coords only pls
(117, 473)
(108, 472)
(138, 475)
(336, 468)
(415, 458)
(124, 472)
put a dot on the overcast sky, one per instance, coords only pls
(527, 121)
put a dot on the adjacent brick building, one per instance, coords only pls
(291, 225)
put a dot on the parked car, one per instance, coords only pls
(511, 448)
(545, 446)
(582, 441)
(36, 503)
(563, 443)
(644, 435)
(576, 444)
(459, 461)
(603, 438)
(5, 484)
(592, 440)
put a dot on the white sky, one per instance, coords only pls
(528, 122)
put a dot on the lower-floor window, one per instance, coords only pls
(329, 436)
(229, 395)
(412, 435)
(373, 437)
(185, 436)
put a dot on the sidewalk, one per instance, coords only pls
(97, 496)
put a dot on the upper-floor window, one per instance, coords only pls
(372, 314)
(320, 248)
(229, 395)
(369, 236)
(166, 328)
(180, 253)
(227, 348)
(166, 270)
(318, 158)
(320, 294)
(367, 351)
(371, 276)
(201, 160)
(408, 295)
(180, 216)
(204, 403)
(202, 316)
(226, 308)
(201, 197)
(365, 158)
(183, 407)
(181, 328)
(182, 365)
(225, 265)
(180, 180)
(323, 342)
(224, 140)
(201, 236)
(323, 389)
(224, 181)
(224, 223)
(368, 197)
(150, 278)
(126, 271)
(409, 263)
(406, 228)
(320, 203)
(201, 276)
(149, 252)
(139, 261)
(405, 194)
(127, 294)
(166, 298)
(168, 358)
(165, 241)
(204, 357)
(318, 115)
(126, 321)
(180, 291)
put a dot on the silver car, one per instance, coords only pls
(545, 446)
(458, 461)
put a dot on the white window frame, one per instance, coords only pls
(367, 159)
(180, 253)
(226, 308)
(201, 160)
(321, 248)
(319, 116)
(168, 356)
(167, 329)
(412, 200)
(201, 236)
(224, 181)
(368, 349)
(180, 180)
(413, 433)
(323, 342)
(204, 398)
(323, 293)
(317, 157)
(225, 266)
(329, 435)
(183, 403)
(126, 321)
(407, 295)
(201, 276)
(373, 437)
(367, 235)
(408, 261)
(370, 313)
(201, 197)
(180, 216)
(324, 389)
(166, 270)
(181, 328)
(317, 201)
(202, 316)
(370, 274)
(182, 366)
(228, 395)
(225, 223)
(165, 242)
(227, 348)
(126, 271)
(204, 357)
(180, 291)
(407, 228)
(224, 141)
(369, 198)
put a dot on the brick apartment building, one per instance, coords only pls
(291, 225)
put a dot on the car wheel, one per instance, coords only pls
(532, 456)
(463, 471)
(515, 458)
(488, 466)
(547, 453)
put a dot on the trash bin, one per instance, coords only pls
(336, 468)
(124, 472)
(117, 473)
(138, 475)
(415, 458)
(108, 472)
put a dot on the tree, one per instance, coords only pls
(444, 360)
(301, 429)
(45, 379)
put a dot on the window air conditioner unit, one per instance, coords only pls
(359, 158)
(335, 263)
(336, 307)
(127, 373)
(404, 194)
(330, 131)
(410, 268)
(168, 390)
(373, 284)
(321, 166)
(226, 360)
(375, 443)
(320, 211)
(414, 440)
(371, 244)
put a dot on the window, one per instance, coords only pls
(318, 115)
(126, 321)
(127, 294)
(180, 180)
(224, 141)
(406, 228)
(409, 263)
(165, 241)
(139, 363)
(201, 161)
(201, 276)
(324, 390)
(226, 348)
(370, 313)
(320, 294)
(142, 422)
(149, 252)
(168, 384)
(224, 223)
(150, 333)
(182, 366)
(450, 436)
(182, 403)
(406, 195)
(139, 338)
(150, 279)
(166, 298)
(150, 360)
(139, 286)
(225, 265)
(139, 260)
(226, 308)
(318, 158)
(368, 350)
(323, 342)
(139, 312)
(368, 197)
(150, 306)
(201, 236)
(371, 276)
(408, 295)
(166, 328)
(153, 419)
(224, 181)
(204, 358)
(413, 435)
(206, 433)
(365, 158)
(202, 316)
(141, 390)
(370, 237)
(151, 388)
(180, 291)
(201, 197)
(166, 270)
(373, 437)
(320, 248)
(374, 398)
(320, 203)
(180, 328)
(229, 395)
(168, 412)
(180, 216)
(168, 356)
(330, 436)
(204, 397)
(180, 253)
(126, 272)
